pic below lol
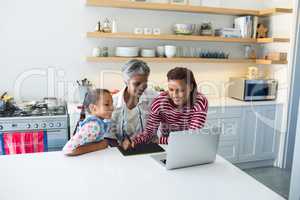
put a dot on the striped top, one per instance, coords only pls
(165, 115)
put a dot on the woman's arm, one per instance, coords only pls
(199, 116)
(89, 148)
(153, 123)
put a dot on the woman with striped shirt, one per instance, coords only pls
(182, 107)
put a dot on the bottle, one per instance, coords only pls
(98, 27)
(114, 26)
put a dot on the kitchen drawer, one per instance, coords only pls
(224, 112)
(230, 127)
(229, 150)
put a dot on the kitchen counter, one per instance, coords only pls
(230, 102)
(108, 175)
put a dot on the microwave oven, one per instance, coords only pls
(253, 89)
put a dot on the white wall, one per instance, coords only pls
(49, 37)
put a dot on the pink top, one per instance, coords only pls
(169, 118)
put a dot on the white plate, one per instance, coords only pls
(127, 51)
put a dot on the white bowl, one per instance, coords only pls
(148, 53)
(184, 29)
(170, 51)
(127, 51)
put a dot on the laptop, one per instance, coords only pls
(190, 148)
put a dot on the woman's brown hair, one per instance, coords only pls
(182, 73)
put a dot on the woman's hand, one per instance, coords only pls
(126, 144)
(132, 145)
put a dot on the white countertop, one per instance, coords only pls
(230, 102)
(108, 175)
(212, 102)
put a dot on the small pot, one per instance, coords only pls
(51, 102)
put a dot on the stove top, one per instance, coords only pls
(34, 111)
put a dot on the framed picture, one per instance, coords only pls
(181, 2)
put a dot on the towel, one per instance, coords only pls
(24, 142)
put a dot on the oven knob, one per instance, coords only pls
(36, 126)
(58, 124)
(1, 127)
(44, 125)
(51, 125)
(28, 126)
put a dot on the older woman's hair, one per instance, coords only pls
(181, 73)
(134, 67)
(93, 97)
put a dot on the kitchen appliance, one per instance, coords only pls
(36, 117)
(253, 89)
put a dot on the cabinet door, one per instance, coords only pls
(248, 137)
(211, 123)
(230, 128)
(267, 137)
(259, 136)
(229, 150)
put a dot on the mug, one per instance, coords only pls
(96, 52)
(160, 50)
(170, 51)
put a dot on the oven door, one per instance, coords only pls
(55, 141)
(260, 90)
(57, 138)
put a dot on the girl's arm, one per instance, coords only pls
(95, 146)
(87, 139)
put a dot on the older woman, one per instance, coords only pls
(132, 103)
(182, 107)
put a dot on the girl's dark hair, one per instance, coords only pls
(181, 73)
(93, 97)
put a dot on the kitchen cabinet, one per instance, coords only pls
(249, 133)
(260, 133)
(229, 150)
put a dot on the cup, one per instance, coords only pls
(96, 52)
(160, 50)
(170, 51)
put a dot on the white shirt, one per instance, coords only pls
(130, 122)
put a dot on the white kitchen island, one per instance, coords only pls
(108, 175)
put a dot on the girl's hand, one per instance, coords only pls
(126, 144)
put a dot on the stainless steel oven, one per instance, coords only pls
(253, 89)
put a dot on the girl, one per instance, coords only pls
(90, 135)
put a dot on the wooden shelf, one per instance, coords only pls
(170, 60)
(183, 38)
(185, 60)
(274, 11)
(270, 62)
(185, 8)
(272, 40)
